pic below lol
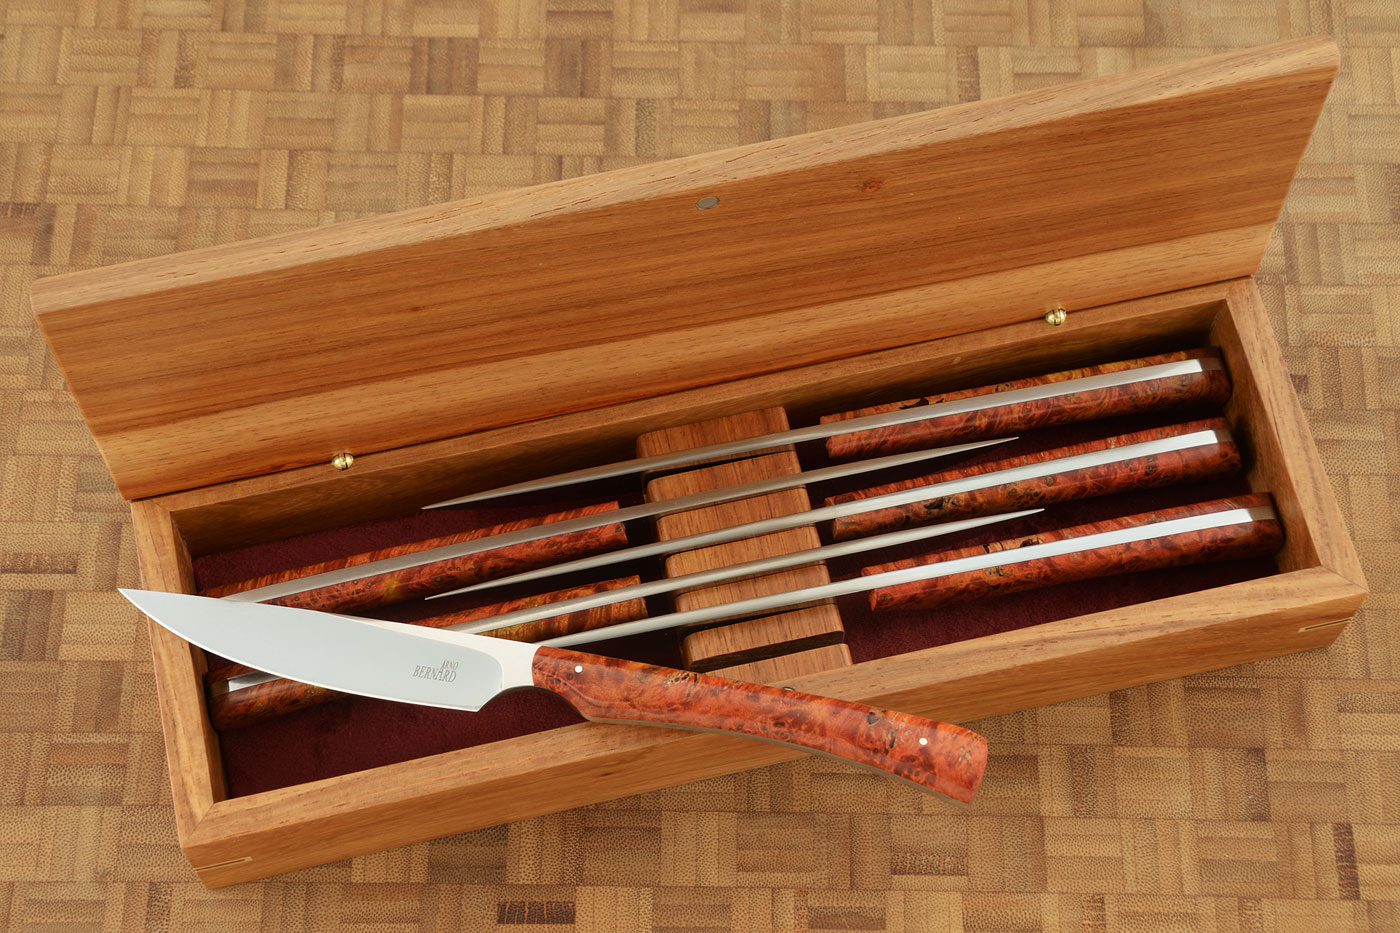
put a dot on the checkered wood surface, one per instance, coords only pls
(1265, 797)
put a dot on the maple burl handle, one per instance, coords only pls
(937, 757)
(1169, 394)
(1230, 542)
(1194, 464)
(234, 709)
(442, 575)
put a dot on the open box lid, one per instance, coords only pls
(268, 354)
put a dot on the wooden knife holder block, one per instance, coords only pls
(844, 268)
(772, 647)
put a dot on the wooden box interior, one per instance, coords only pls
(1317, 585)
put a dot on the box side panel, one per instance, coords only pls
(253, 837)
(191, 746)
(1287, 462)
(248, 358)
(1099, 653)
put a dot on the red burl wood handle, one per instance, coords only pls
(1208, 388)
(935, 756)
(1231, 542)
(233, 709)
(402, 585)
(1179, 466)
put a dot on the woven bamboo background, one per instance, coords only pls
(1258, 798)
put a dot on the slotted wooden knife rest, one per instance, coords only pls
(776, 646)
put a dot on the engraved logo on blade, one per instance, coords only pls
(445, 672)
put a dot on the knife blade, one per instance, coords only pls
(453, 670)
(1120, 537)
(1035, 393)
(521, 618)
(1026, 470)
(480, 545)
(1084, 552)
(735, 572)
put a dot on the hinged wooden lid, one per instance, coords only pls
(262, 355)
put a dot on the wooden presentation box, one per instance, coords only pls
(461, 346)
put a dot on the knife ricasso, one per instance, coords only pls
(937, 757)
(1257, 538)
(1205, 388)
(1193, 464)
(411, 583)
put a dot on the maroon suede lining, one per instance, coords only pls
(357, 733)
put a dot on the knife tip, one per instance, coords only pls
(463, 500)
(440, 505)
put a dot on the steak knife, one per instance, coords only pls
(455, 670)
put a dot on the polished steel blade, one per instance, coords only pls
(753, 568)
(687, 581)
(842, 510)
(387, 660)
(599, 519)
(818, 432)
(818, 594)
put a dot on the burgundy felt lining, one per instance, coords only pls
(357, 733)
